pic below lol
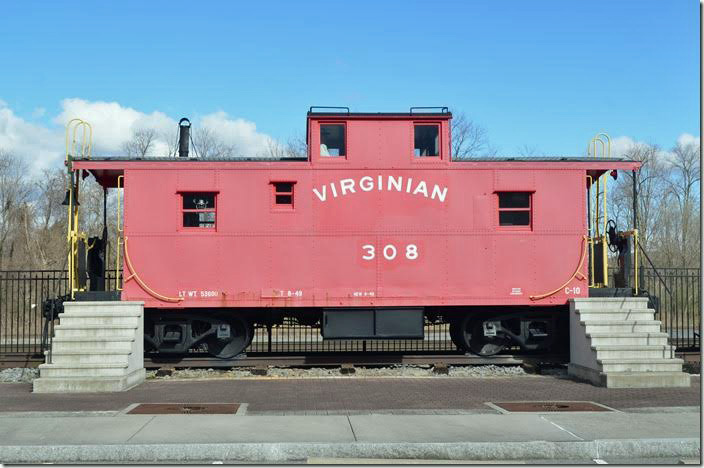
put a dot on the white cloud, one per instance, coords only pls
(241, 134)
(620, 145)
(686, 139)
(112, 123)
(40, 147)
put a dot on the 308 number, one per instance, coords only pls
(389, 252)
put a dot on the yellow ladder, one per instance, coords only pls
(598, 206)
(79, 143)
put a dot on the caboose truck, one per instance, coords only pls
(375, 232)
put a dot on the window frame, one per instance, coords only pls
(320, 140)
(283, 208)
(529, 209)
(181, 211)
(429, 123)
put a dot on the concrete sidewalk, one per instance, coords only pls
(122, 438)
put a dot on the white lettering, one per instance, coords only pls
(366, 183)
(395, 183)
(440, 193)
(347, 184)
(322, 196)
(421, 188)
(389, 252)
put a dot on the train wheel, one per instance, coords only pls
(231, 338)
(485, 345)
(472, 338)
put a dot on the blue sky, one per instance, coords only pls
(547, 74)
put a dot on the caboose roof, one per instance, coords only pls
(484, 159)
(413, 113)
(107, 169)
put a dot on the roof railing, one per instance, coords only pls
(347, 109)
(443, 109)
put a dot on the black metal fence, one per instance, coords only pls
(291, 337)
(23, 292)
(678, 291)
(21, 296)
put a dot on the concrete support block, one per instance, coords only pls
(97, 347)
(617, 343)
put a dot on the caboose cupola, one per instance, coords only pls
(338, 136)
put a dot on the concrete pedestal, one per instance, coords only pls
(97, 347)
(616, 342)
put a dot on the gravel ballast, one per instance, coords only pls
(18, 374)
(27, 375)
(334, 372)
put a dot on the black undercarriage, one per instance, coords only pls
(484, 331)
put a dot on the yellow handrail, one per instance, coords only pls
(141, 283)
(86, 139)
(69, 238)
(635, 259)
(68, 128)
(608, 139)
(117, 236)
(576, 273)
(599, 214)
(72, 233)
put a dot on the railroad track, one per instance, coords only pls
(313, 360)
(339, 360)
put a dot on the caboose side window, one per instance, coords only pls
(198, 210)
(283, 194)
(426, 140)
(514, 208)
(332, 140)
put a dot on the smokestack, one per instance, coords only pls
(184, 132)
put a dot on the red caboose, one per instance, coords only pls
(376, 230)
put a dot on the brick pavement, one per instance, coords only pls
(351, 394)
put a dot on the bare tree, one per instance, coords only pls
(651, 192)
(46, 240)
(682, 185)
(171, 141)
(208, 146)
(469, 139)
(14, 194)
(141, 142)
(296, 147)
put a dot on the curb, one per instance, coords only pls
(282, 452)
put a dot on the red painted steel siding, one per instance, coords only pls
(315, 250)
